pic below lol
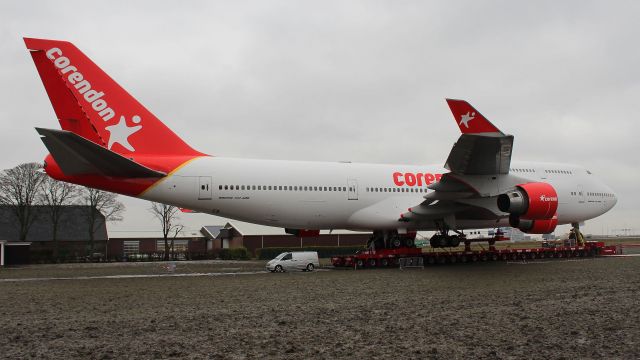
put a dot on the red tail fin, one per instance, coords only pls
(91, 104)
(469, 120)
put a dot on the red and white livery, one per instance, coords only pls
(112, 142)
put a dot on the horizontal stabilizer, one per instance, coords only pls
(76, 155)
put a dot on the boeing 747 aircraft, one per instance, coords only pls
(109, 141)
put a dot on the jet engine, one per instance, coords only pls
(532, 207)
(540, 226)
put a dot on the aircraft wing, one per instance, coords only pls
(481, 154)
(482, 149)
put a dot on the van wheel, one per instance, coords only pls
(278, 268)
(310, 267)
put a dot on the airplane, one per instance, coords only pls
(111, 142)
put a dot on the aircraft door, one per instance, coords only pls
(205, 188)
(580, 194)
(352, 189)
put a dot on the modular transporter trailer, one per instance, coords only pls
(408, 256)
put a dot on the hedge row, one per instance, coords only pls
(240, 253)
(323, 251)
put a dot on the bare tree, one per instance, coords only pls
(55, 196)
(100, 202)
(168, 217)
(19, 188)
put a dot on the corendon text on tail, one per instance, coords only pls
(80, 84)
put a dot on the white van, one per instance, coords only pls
(296, 260)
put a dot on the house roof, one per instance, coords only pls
(219, 231)
(72, 226)
(211, 231)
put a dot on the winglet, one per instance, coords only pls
(470, 120)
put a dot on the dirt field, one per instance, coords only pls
(558, 309)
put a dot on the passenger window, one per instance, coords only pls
(287, 257)
(344, 188)
(220, 187)
(242, 187)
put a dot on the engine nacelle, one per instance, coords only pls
(540, 226)
(532, 201)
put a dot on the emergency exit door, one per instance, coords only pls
(205, 188)
(352, 189)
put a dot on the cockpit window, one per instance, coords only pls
(588, 172)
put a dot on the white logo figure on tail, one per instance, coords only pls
(466, 118)
(120, 132)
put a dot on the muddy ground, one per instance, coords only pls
(558, 309)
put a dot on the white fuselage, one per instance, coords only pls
(354, 196)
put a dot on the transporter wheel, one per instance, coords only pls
(396, 243)
(494, 257)
(453, 259)
(310, 267)
(431, 260)
(360, 263)
(372, 263)
(453, 241)
(384, 262)
(278, 268)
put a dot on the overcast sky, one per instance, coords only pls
(349, 80)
